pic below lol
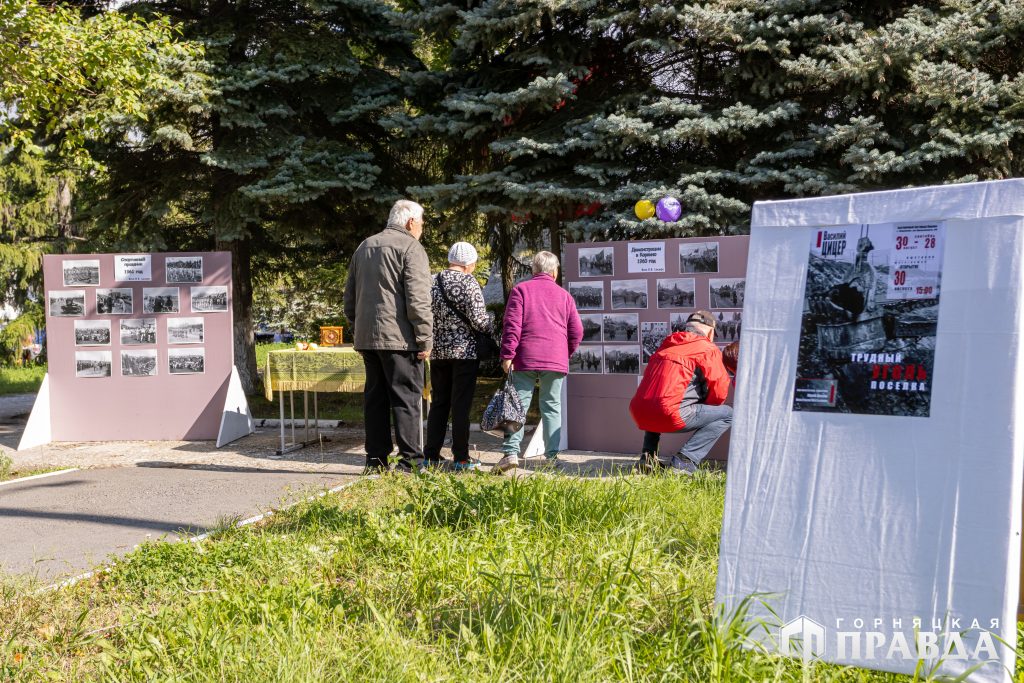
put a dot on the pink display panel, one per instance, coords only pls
(629, 294)
(144, 357)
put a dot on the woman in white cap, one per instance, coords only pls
(459, 314)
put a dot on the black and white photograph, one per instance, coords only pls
(139, 363)
(677, 322)
(597, 261)
(629, 293)
(67, 303)
(185, 331)
(727, 292)
(698, 257)
(213, 299)
(183, 269)
(160, 300)
(586, 360)
(115, 301)
(621, 327)
(727, 326)
(651, 336)
(591, 327)
(81, 273)
(622, 360)
(186, 361)
(138, 331)
(677, 292)
(93, 363)
(589, 296)
(92, 333)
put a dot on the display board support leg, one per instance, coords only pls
(37, 431)
(536, 448)
(287, 447)
(236, 419)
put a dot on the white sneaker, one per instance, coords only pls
(509, 462)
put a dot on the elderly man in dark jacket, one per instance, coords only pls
(387, 301)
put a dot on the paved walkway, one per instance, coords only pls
(68, 523)
(129, 491)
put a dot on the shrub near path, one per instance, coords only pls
(472, 578)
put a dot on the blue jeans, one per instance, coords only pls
(707, 424)
(550, 408)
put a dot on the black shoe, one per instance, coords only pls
(405, 466)
(372, 469)
(647, 464)
(433, 463)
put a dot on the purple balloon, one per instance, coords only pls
(669, 209)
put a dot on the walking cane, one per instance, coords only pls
(424, 397)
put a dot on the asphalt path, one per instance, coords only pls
(63, 525)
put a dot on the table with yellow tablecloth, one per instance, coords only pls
(337, 368)
(332, 369)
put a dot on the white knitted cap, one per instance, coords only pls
(462, 254)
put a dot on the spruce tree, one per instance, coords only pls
(566, 114)
(283, 160)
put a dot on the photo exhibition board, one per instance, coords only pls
(103, 348)
(879, 498)
(634, 291)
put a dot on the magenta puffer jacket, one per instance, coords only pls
(542, 328)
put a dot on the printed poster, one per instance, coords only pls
(871, 310)
(646, 257)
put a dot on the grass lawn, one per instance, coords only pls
(25, 380)
(8, 474)
(442, 578)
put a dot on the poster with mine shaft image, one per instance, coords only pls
(871, 310)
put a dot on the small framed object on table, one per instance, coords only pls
(330, 336)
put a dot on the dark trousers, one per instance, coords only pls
(394, 390)
(452, 384)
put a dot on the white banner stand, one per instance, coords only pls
(37, 431)
(236, 420)
(884, 540)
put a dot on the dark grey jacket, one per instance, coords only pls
(387, 296)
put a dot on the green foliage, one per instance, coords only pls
(5, 466)
(68, 80)
(454, 578)
(21, 380)
(25, 326)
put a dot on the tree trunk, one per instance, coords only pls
(62, 209)
(504, 252)
(244, 325)
(555, 235)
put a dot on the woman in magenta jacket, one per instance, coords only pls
(541, 330)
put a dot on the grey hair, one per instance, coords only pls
(698, 328)
(402, 211)
(545, 262)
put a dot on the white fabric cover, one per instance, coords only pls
(845, 516)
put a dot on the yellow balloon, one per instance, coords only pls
(644, 209)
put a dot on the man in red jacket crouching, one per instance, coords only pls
(683, 390)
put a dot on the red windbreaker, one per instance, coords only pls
(687, 368)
